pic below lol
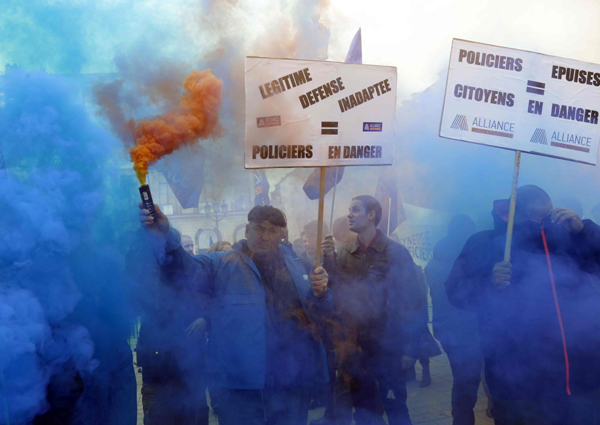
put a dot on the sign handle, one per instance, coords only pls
(511, 208)
(320, 221)
(337, 169)
(389, 216)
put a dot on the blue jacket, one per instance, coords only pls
(237, 341)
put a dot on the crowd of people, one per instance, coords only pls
(284, 326)
(267, 329)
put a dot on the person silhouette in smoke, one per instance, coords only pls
(538, 314)
(170, 354)
(262, 353)
(455, 329)
(309, 239)
(378, 304)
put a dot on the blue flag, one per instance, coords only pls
(210, 240)
(387, 195)
(312, 185)
(355, 52)
(261, 188)
(184, 171)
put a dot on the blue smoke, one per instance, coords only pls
(52, 257)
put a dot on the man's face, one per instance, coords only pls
(263, 238)
(358, 218)
(309, 240)
(539, 209)
(188, 244)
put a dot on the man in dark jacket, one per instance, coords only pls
(262, 351)
(378, 304)
(538, 314)
(456, 329)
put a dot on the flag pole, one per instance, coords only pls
(337, 169)
(389, 215)
(320, 221)
(511, 208)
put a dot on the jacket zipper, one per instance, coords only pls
(562, 330)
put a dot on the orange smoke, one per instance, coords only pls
(196, 117)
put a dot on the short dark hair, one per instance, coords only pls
(269, 213)
(371, 204)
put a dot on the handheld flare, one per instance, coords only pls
(147, 199)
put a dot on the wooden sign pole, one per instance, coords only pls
(337, 169)
(511, 208)
(320, 221)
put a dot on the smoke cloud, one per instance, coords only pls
(196, 118)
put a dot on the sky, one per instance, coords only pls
(414, 36)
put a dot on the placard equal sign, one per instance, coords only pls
(535, 87)
(329, 127)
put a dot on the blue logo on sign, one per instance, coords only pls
(372, 126)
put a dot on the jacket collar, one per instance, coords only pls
(379, 244)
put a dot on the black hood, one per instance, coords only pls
(500, 214)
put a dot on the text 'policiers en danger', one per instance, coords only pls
(315, 113)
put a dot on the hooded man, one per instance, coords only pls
(262, 352)
(378, 306)
(538, 314)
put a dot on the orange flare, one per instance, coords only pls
(196, 118)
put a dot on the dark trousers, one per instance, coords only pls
(63, 392)
(466, 362)
(256, 407)
(369, 390)
(329, 387)
(174, 403)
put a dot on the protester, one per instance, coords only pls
(298, 246)
(427, 346)
(335, 394)
(217, 247)
(377, 303)
(170, 359)
(456, 329)
(309, 239)
(188, 244)
(538, 312)
(263, 353)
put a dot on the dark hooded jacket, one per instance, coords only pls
(520, 327)
(451, 326)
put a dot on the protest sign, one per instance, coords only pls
(524, 101)
(317, 114)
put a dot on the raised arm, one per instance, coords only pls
(179, 267)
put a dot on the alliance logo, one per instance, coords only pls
(539, 136)
(491, 127)
(372, 126)
(460, 123)
(273, 121)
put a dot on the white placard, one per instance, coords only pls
(318, 114)
(520, 100)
